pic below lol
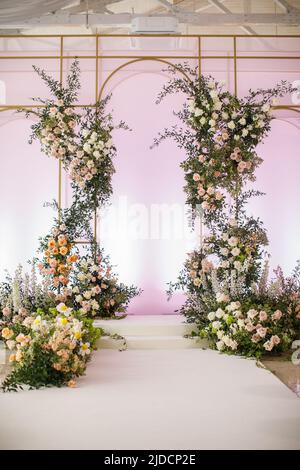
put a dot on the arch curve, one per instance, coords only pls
(141, 59)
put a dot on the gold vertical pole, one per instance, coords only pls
(96, 100)
(200, 211)
(235, 65)
(59, 163)
(199, 56)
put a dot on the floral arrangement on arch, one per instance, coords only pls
(229, 296)
(81, 141)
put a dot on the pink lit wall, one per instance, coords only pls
(148, 253)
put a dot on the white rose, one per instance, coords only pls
(231, 125)
(245, 132)
(265, 108)
(242, 121)
(224, 251)
(211, 316)
(79, 298)
(216, 325)
(235, 252)
(233, 241)
(213, 94)
(220, 334)
(220, 345)
(202, 120)
(220, 313)
(198, 112)
(212, 122)
(217, 105)
(225, 116)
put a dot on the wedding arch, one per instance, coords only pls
(230, 300)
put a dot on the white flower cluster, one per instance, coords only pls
(219, 115)
(209, 113)
(57, 136)
(93, 280)
(88, 157)
(226, 322)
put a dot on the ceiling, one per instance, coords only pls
(114, 17)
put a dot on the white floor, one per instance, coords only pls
(157, 399)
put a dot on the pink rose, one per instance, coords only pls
(268, 346)
(196, 177)
(275, 340)
(255, 338)
(201, 191)
(6, 311)
(262, 332)
(263, 315)
(250, 327)
(277, 315)
(202, 158)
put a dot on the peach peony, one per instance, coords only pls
(7, 333)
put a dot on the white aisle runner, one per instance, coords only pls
(157, 399)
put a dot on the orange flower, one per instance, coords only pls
(62, 241)
(63, 250)
(51, 243)
(55, 251)
(47, 252)
(73, 258)
(72, 383)
(12, 358)
(61, 268)
(7, 333)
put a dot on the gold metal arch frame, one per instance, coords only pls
(97, 56)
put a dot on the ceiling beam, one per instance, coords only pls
(167, 4)
(224, 9)
(287, 8)
(201, 19)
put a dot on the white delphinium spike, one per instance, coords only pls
(33, 281)
(16, 295)
(263, 283)
(215, 281)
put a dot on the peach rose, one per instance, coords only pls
(7, 333)
(12, 358)
(63, 250)
(51, 243)
(196, 177)
(72, 383)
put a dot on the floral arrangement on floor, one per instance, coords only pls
(96, 291)
(229, 296)
(48, 349)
